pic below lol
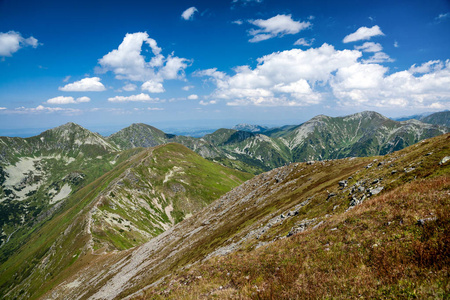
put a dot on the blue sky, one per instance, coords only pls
(107, 64)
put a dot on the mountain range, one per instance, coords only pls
(439, 118)
(256, 149)
(142, 204)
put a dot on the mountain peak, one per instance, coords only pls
(367, 114)
(250, 128)
(70, 126)
(139, 135)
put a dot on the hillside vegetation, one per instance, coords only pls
(369, 227)
(135, 201)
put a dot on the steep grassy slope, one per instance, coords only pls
(395, 245)
(317, 198)
(169, 184)
(135, 201)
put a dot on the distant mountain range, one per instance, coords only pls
(150, 227)
(256, 149)
(439, 118)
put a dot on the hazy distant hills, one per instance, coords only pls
(439, 118)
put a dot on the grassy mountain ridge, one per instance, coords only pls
(258, 220)
(169, 184)
(138, 199)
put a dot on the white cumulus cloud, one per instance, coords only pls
(368, 85)
(188, 14)
(128, 62)
(192, 97)
(363, 33)
(282, 78)
(369, 47)
(426, 67)
(92, 84)
(307, 77)
(12, 41)
(61, 100)
(153, 87)
(378, 57)
(133, 98)
(279, 25)
(83, 99)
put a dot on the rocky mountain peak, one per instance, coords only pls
(250, 128)
(366, 115)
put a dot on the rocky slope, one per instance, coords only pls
(298, 198)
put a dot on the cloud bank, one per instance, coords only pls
(307, 77)
(133, 98)
(68, 100)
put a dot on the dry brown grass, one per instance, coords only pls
(377, 250)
